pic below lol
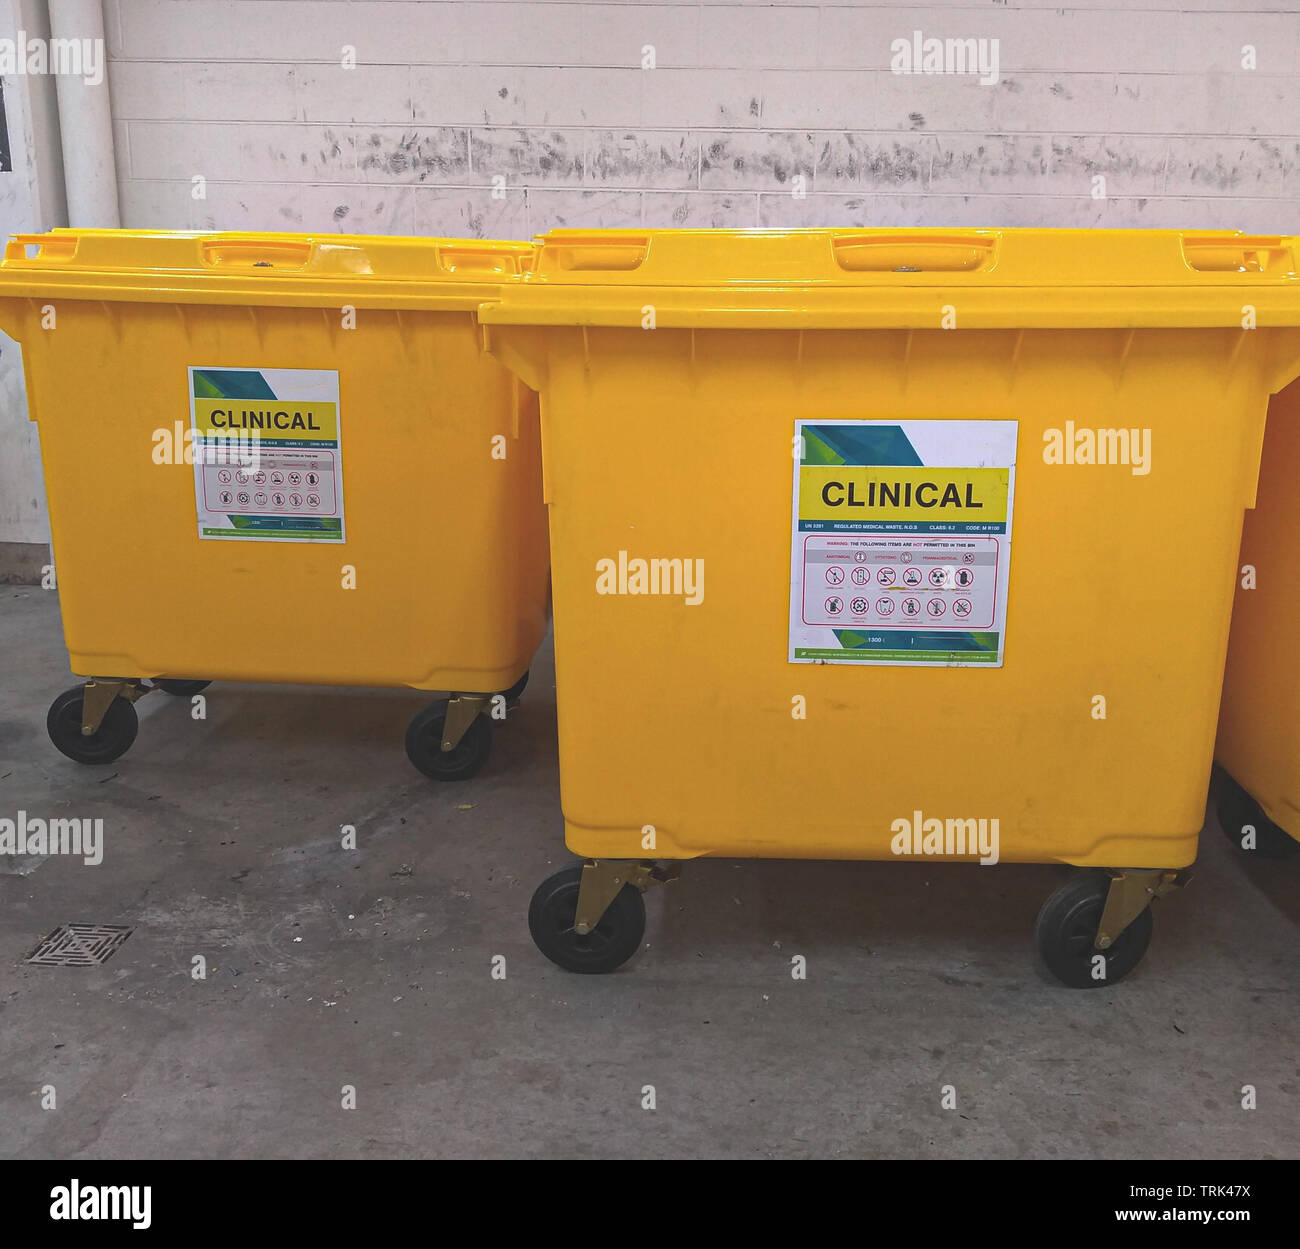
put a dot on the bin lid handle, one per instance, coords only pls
(957, 252)
(270, 253)
(1237, 253)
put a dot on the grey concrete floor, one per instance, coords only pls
(373, 969)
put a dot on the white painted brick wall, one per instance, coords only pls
(250, 95)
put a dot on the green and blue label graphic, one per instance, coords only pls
(901, 542)
(268, 462)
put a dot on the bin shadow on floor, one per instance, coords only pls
(316, 726)
(959, 923)
(1275, 882)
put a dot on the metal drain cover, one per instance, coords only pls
(79, 945)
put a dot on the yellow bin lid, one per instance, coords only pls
(295, 270)
(912, 279)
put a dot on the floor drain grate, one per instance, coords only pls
(79, 945)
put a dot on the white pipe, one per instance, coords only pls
(85, 116)
(40, 132)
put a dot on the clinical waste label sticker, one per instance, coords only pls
(901, 542)
(268, 463)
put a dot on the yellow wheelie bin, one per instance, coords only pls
(873, 544)
(1259, 722)
(282, 458)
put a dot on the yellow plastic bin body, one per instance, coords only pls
(396, 536)
(1259, 721)
(679, 372)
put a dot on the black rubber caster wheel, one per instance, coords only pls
(111, 741)
(424, 746)
(554, 909)
(1236, 809)
(182, 689)
(512, 694)
(1067, 927)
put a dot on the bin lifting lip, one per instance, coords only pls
(1019, 308)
